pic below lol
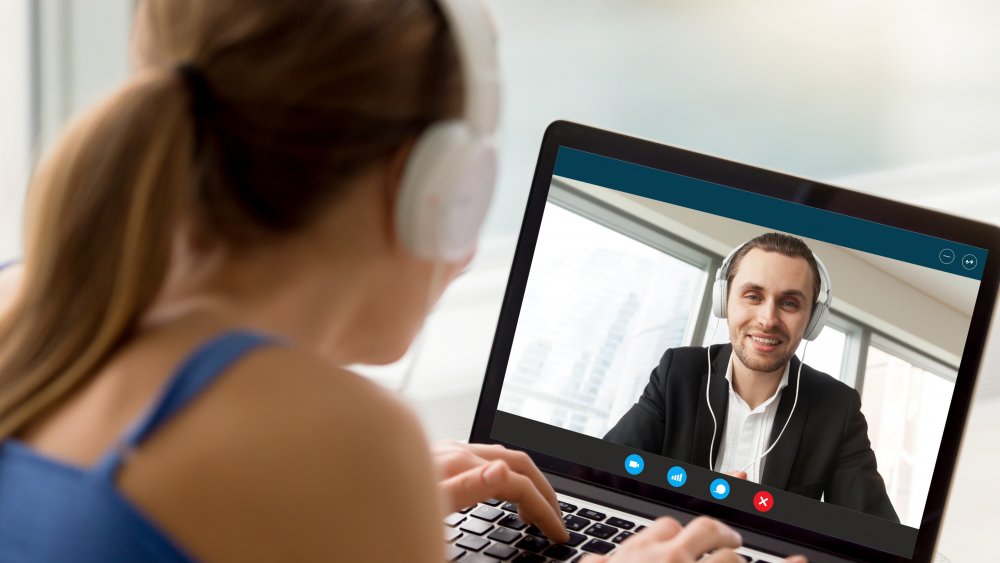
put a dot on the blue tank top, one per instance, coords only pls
(51, 511)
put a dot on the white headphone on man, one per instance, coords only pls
(820, 311)
(449, 177)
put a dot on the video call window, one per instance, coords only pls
(610, 289)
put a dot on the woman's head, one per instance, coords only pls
(305, 95)
(281, 108)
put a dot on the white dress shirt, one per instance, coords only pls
(747, 431)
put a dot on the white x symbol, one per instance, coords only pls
(763, 501)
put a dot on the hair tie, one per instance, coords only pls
(202, 99)
(203, 102)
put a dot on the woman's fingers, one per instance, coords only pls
(666, 540)
(468, 487)
(451, 460)
(496, 479)
(661, 530)
(724, 555)
(703, 535)
(521, 463)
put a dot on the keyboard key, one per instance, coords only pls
(532, 543)
(597, 546)
(559, 552)
(500, 551)
(509, 507)
(602, 531)
(487, 513)
(467, 509)
(512, 521)
(567, 507)
(619, 523)
(621, 537)
(475, 543)
(504, 535)
(535, 531)
(453, 519)
(639, 529)
(575, 523)
(745, 557)
(492, 502)
(592, 514)
(576, 539)
(477, 558)
(474, 526)
(528, 558)
(451, 534)
(453, 552)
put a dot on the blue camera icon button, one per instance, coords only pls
(634, 464)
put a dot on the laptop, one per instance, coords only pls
(610, 350)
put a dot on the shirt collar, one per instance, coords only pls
(781, 385)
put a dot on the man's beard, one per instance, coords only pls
(762, 365)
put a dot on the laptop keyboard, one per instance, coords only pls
(491, 531)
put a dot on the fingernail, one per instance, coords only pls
(492, 474)
(737, 537)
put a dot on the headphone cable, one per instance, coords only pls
(715, 424)
(421, 338)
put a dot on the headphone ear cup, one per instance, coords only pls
(817, 321)
(445, 192)
(719, 298)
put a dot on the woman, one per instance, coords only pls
(203, 248)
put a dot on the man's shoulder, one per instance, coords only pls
(697, 353)
(825, 384)
(687, 365)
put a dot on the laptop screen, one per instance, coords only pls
(763, 387)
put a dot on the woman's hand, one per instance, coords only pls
(666, 540)
(470, 473)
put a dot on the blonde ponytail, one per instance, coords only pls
(102, 212)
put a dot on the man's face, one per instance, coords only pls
(768, 308)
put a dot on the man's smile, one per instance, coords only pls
(765, 342)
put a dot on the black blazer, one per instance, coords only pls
(825, 451)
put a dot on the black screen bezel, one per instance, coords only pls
(773, 184)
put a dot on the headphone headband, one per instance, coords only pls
(474, 33)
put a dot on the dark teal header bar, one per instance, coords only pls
(772, 213)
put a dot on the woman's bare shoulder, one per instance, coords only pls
(299, 455)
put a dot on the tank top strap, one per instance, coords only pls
(197, 371)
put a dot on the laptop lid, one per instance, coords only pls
(608, 357)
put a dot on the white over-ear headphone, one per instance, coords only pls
(820, 311)
(449, 178)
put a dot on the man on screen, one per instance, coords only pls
(751, 408)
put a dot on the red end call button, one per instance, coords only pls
(763, 501)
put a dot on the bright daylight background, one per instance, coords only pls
(900, 98)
